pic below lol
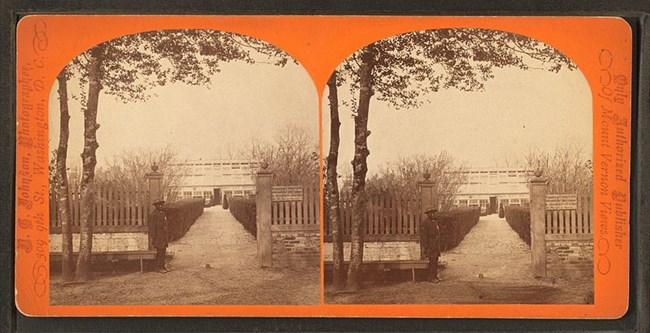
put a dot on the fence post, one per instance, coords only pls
(263, 202)
(428, 198)
(154, 184)
(538, 187)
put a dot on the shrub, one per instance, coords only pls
(181, 215)
(519, 220)
(455, 224)
(502, 213)
(244, 210)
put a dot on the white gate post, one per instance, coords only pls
(263, 201)
(428, 199)
(538, 187)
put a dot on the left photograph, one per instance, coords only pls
(184, 169)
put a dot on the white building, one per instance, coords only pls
(205, 178)
(494, 186)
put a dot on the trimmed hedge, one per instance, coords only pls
(455, 224)
(181, 215)
(244, 210)
(519, 220)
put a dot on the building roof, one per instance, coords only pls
(488, 180)
(493, 188)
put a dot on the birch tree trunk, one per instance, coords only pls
(89, 161)
(332, 185)
(360, 168)
(63, 195)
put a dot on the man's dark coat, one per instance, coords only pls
(430, 238)
(158, 229)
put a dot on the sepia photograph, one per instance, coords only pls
(458, 170)
(184, 169)
(332, 166)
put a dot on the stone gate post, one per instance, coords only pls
(428, 198)
(538, 187)
(428, 195)
(263, 201)
(154, 184)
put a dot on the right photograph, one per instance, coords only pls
(458, 169)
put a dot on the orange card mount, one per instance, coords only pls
(600, 49)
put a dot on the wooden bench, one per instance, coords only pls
(391, 264)
(113, 255)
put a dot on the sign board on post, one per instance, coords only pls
(287, 193)
(561, 201)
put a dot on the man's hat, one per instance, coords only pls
(430, 210)
(159, 201)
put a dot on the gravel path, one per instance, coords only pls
(490, 265)
(490, 251)
(214, 263)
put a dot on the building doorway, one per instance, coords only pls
(216, 196)
(493, 205)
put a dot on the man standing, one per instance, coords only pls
(430, 239)
(158, 234)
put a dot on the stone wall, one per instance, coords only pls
(570, 259)
(296, 246)
(105, 242)
(377, 251)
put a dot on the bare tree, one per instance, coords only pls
(292, 155)
(331, 187)
(568, 168)
(62, 193)
(403, 175)
(128, 170)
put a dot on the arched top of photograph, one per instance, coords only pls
(485, 98)
(404, 67)
(130, 65)
(176, 97)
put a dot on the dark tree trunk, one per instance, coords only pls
(63, 195)
(89, 161)
(360, 168)
(333, 187)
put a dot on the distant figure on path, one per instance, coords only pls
(158, 234)
(430, 239)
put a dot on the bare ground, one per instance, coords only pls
(214, 263)
(491, 265)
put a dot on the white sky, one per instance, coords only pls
(243, 101)
(518, 110)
